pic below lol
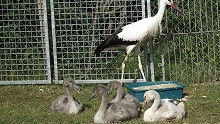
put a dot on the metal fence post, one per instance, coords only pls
(151, 45)
(54, 42)
(145, 43)
(46, 39)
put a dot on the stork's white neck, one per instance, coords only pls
(160, 12)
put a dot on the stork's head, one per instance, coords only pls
(168, 2)
(172, 4)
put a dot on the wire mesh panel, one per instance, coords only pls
(188, 45)
(80, 26)
(24, 48)
(192, 42)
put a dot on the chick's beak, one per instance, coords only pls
(76, 88)
(92, 96)
(174, 6)
(109, 91)
(145, 103)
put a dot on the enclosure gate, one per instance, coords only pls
(24, 44)
(78, 27)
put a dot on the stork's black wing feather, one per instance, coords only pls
(114, 41)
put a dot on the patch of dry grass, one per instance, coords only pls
(26, 104)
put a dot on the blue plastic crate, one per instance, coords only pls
(172, 93)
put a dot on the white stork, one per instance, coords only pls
(131, 36)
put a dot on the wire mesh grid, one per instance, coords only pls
(191, 42)
(188, 44)
(80, 26)
(24, 42)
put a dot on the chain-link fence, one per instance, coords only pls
(186, 49)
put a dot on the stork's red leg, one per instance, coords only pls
(123, 67)
(140, 66)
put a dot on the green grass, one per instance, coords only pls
(25, 104)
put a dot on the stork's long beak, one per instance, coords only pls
(174, 6)
(76, 88)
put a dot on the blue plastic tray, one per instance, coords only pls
(172, 93)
